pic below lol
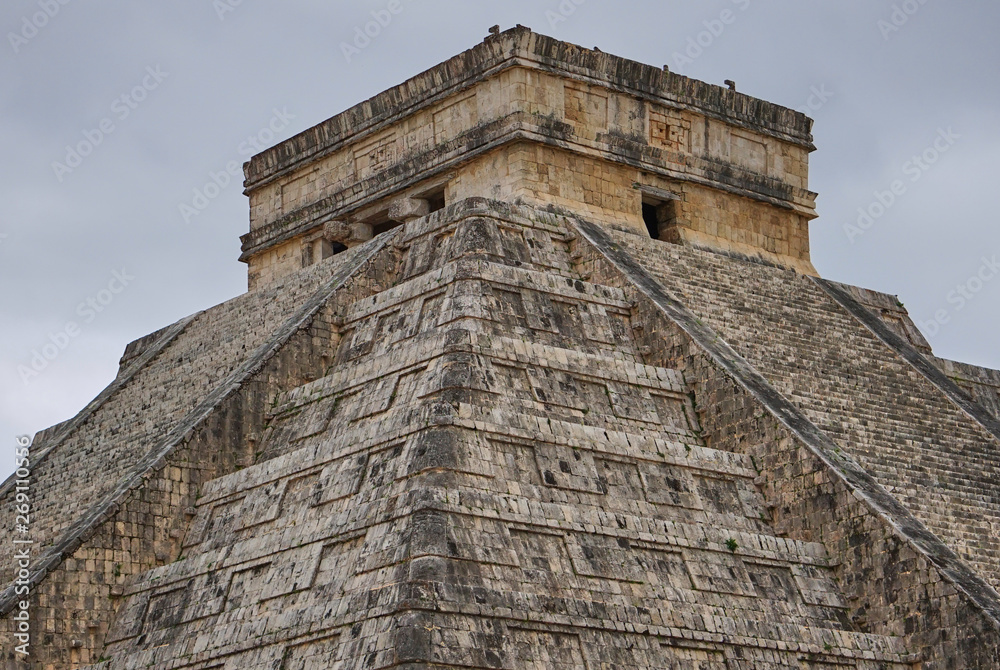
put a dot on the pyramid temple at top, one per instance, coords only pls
(533, 372)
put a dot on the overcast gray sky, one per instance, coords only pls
(885, 81)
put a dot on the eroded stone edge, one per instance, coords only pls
(119, 382)
(917, 360)
(859, 481)
(87, 524)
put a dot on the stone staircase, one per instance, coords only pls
(490, 476)
(140, 407)
(920, 446)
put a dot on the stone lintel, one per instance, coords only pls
(528, 119)
(522, 47)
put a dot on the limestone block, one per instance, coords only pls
(407, 209)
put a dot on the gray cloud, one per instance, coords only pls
(886, 97)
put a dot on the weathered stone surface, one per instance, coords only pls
(517, 432)
(526, 118)
(903, 429)
(529, 478)
(117, 510)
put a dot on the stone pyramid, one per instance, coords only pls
(534, 372)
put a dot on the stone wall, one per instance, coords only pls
(129, 515)
(481, 443)
(890, 585)
(892, 312)
(137, 415)
(982, 384)
(501, 468)
(890, 588)
(919, 445)
(578, 129)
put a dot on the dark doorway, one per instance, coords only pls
(650, 217)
